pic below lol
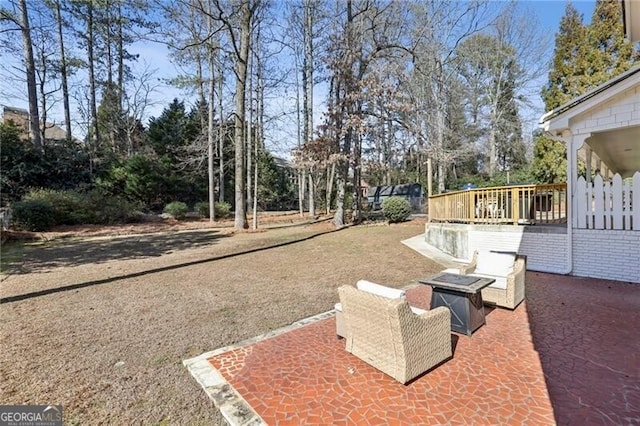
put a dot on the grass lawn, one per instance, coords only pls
(101, 325)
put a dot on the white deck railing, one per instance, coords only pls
(608, 204)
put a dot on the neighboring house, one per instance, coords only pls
(20, 117)
(602, 127)
(287, 167)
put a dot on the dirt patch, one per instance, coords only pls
(102, 326)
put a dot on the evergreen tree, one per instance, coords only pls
(608, 53)
(510, 148)
(586, 56)
(172, 130)
(110, 121)
(569, 61)
(550, 160)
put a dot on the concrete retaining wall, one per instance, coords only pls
(544, 246)
(604, 254)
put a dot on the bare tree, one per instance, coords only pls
(497, 68)
(238, 25)
(442, 27)
(210, 127)
(63, 69)
(20, 18)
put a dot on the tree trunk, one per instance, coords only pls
(357, 193)
(63, 73)
(34, 118)
(492, 144)
(300, 172)
(92, 80)
(211, 111)
(249, 130)
(338, 216)
(120, 59)
(301, 185)
(330, 178)
(307, 91)
(312, 194)
(259, 131)
(440, 129)
(221, 132)
(240, 220)
(307, 75)
(42, 73)
(201, 98)
(107, 42)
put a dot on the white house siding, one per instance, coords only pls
(545, 247)
(621, 111)
(607, 254)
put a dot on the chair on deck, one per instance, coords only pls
(386, 334)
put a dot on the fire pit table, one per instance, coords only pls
(461, 294)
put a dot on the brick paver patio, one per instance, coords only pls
(568, 355)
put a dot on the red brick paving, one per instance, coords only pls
(568, 355)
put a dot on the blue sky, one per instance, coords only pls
(549, 13)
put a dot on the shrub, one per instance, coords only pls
(202, 208)
(222, 209)
(108, 210)
(33, 215)
(69, 207)
(177, 209)
(396, 209)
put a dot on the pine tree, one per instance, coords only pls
(510, 148)
(569, 61)
(550, 160)
(608, 53)
(587, 55)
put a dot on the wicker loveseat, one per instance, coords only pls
(508, 270)
(386, 334)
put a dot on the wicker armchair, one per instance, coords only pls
(380, 290)
(507, 269)
(387, 335)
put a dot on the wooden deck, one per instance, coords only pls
(517, 204)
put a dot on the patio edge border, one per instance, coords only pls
(233, 407)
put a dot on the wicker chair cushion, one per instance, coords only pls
(381, 290)
(498, 264)
(417, 311)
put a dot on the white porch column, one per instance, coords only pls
(588, 160)
(576, 142)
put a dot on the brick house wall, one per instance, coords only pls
(608, 254)
(19, 117)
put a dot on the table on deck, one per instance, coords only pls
(462, 295)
